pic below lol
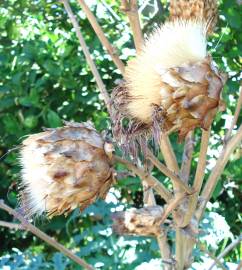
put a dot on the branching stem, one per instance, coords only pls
(87, 54)
(151, 180)
(130, 7)
(43, 236)
(236, 115)
(212, 181)
(174, 178)
(100, 34)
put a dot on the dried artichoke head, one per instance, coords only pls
(64, 168)
(184, 97)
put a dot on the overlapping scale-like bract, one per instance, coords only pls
(64, 168)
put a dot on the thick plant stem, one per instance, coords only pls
(100, 34)
(52, 242)
(149, 179)
(212, 181)
(199, 176)
(165, 250)
(226, 251)
(176, 181)
(182, 240)
(152, 182)
(185, 243)
(130, 7)
(236, 115)
(171, 162)
(168, 154)
(187, 157)
(207, 192)
(87, 54)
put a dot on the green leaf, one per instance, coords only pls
(11, 124)
(31, 121)
(6, 103)
(53, 119)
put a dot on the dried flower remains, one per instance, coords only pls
(64, 168)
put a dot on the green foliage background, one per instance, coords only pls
(44, 78)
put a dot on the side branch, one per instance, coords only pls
(227, 250)
(174, 178)
(201, 165)
(86, 52)
(130, 7)
(11, 225)
(213, 257)
(168, 153)
(187, 157)
(29, 227)
(218, 169)
(236, 115)
(99, 32)
(199, 176)
(151, 180)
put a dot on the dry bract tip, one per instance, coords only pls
(64, 168)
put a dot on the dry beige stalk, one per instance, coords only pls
(199, 176)
(187, 157)
(43, 236)
(176, 181)
(87, 54)
(236, 115)
(168, 154)
(130, 7)
(172, 205)
(100, 34)
(218, 169)
(149, 179)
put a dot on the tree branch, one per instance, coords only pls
(172, 205)
(168, 154)
(236, 115)
(130, 7)
(183, 242)
(165, 250)
(100, 34)
(86, 52)
(199, 176)
(28, 226)
(151, 180)
(187, 157)
(11, 225)
(213, 257)
(226, 251)
(201, 165)
(228, 148)
(174, 178)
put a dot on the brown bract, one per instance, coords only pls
(205, 10)
(65, 168)
(190, 97)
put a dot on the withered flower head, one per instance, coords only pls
(171, 85)
(64, 168)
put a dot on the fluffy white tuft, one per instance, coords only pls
(35, 180)
(171, 45)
